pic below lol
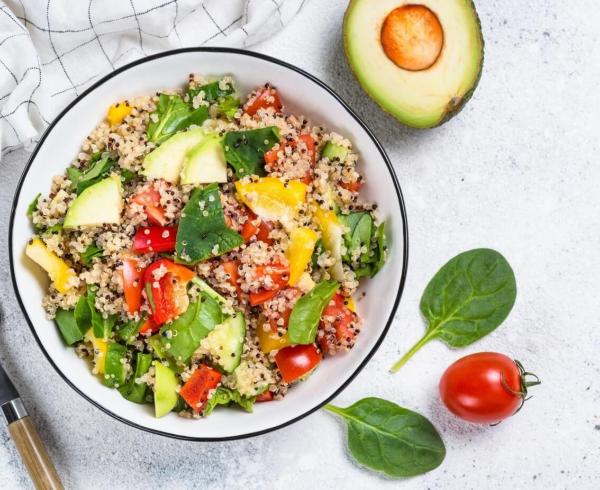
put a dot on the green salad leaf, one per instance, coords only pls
(102, 327)
(226, 396)
(468, 298)
(173, 114)
(229, 106)
(245, 150)
(390, 439)
(365, 243)
(212, 91)
(128, 332)
(202, 231)
(68, 326)
(90, 252)
(306, 314)
(115, 372)
(99, 167)
(33, 206)
(133, 391)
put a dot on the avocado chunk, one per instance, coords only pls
(165, 389)
(420, 62)
(205, 163)
(166, 161)
(226, 342)
(333, 151)
(100, 203)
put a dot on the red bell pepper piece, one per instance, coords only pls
(196, 390)
(149, 327)
(231, 267)
(280, 275)
(263, 98)
(132, 276)
(265, 396)
(150, 199)
(155, 239)
(256, 227)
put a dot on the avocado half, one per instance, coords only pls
(420, 61)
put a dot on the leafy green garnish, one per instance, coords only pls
(365, 243)
(57, 228)
(102, 327)
(307, 312)
(83, 313)
(115, 373)
(229, 106)
(202, 231)
(173, 114)
(468, 298)
(98, 169)
(245, 150)
(90, 252)
(212, 91)
(136, 392)
(128, 332)
(150, 297)
(189, 329)
(68, 326)
(226, 396)
(33, 206)
(127, 175)
(390, 439)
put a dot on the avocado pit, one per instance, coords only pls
(412, 37)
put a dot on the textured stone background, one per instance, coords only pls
(518, 170)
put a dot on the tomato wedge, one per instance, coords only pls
(154, 239)
(132, 276)
(150, 199)
(279, 274)
(296, 361)
(231, 267)
(352, 187)
(263, 98)
(256, 227)
(265, 396)
(165, 286)
(196, 390)
(338, 327)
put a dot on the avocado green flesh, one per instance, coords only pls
(226, 342)
(166, 161)
(165, 389)
(99, 204)
(205, 163)
(425, 98)
(332, 151)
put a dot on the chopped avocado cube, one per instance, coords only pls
(165, 389)
(100, 203)
(205, 163)
(133, 391)
(226, 341)
(166, 161)
(333, 151)
(115, 369)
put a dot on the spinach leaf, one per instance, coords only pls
(128, 332)
(229, 106)
(187, 331)
(306, 314)
(150, 297)
(83, 314)
(468, 298)
(390, 439)
(225, 396)
(54, 229)
(127, 176)
(173, 114)
(365, 243)
(136, 392)
(245, 150)
(102, 327)
(33, 206)
(202, 231)
(95, 172)
(212, 91)
(92, 251)
(380, 250)
(68, 326)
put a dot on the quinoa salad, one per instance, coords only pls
(203, 248)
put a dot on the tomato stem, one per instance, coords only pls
(404, 359)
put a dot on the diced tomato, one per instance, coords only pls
(292, 295)
(309, 141)
(279, 274)
(296, 361)
(340, 332)
(265, 97)
(231, 267)
(150, 199)
(272, 161)
(132, 276)
(271, 157)
(352, 187)
(256, 227)
(195, 391)
(154, 239)
(167, 295)
(149, 327)
(265, 396)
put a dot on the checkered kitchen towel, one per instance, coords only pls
(51, 50)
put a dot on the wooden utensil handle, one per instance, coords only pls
(34, 455)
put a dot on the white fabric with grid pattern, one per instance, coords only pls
(51, 50)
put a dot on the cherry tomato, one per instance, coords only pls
(296, 361)
(195, 390)
(265, 396)
(132, 276)
(263, 98)
(338, 327)
(485, 388)
(155, 239)
(150, 199)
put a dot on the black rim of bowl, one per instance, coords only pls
(350, 112)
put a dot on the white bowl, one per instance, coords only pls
(303, 94)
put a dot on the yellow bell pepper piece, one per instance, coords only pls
(100, 347)
(351, 304)
(117, 112)
(271, 199)
(269, 340)
(332, 233)
(58, 270)
(299, 251)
